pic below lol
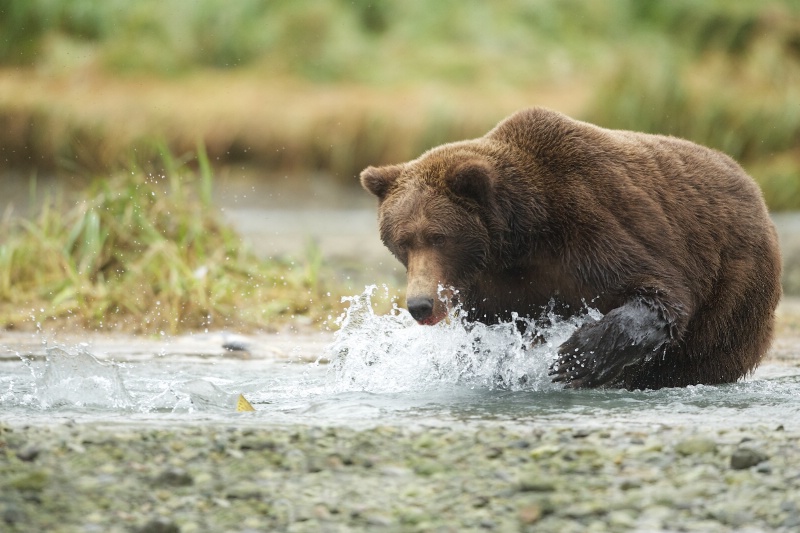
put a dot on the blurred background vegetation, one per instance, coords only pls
(334, 85)
(89, 87)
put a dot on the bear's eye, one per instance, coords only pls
(437, 241)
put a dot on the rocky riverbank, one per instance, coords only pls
(489, 478)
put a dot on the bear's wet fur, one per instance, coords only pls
(670, 240)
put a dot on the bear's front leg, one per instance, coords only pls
(597, 353)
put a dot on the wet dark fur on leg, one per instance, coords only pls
(600, 353)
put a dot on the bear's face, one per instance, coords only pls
(430, 217)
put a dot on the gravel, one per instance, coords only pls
(490, 477)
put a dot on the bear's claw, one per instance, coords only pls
(597, 354)
(581, 370)
(578, 372)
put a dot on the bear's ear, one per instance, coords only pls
(471, 179)
(378, 180)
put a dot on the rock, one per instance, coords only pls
(628, 484)
(236, 346)
(622, 519)
(585, 509)
(792, 521)
(29, 453)
(544, 451)
(696, 446)
(34, 481)
(427, 467)
(160, 525)
(12, 514)
(494, 452)
(746, 457)
(534, 482)
(244, 490)
(480, 501)
(257, 444)
(174, 477)
(529, 514)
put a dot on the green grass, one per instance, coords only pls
(379, 41)
(147, 253)
(346, 83)
(748, 108)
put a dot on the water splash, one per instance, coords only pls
(79, 379)
(200, 395)
(392, 353)
(74, 379)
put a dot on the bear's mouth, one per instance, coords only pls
(431, 320)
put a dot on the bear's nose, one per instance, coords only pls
(420, 308)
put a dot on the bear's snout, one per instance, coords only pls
(421, 309)
(423, 296)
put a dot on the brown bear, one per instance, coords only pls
(670, 240)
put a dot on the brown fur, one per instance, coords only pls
(670, 240)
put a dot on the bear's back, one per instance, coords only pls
(622, 167)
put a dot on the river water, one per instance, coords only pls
(370, 370)
(374, 370)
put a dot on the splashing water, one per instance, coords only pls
(382, 369)
(73, 379)
(392, 353)
(79, 379)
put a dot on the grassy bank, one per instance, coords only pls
(145, 252)
(334, 86)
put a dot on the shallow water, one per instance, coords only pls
(376, 370)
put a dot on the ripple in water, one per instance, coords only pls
(392, 353)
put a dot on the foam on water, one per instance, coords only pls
(392, 353)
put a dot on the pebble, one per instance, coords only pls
(696, 446)
(746, 457)
(530, 514)
(160, 525)
(28, 453)
(174, 477)
(12, 514)
(536, 483)
(538, 478)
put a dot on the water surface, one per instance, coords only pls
(374, 370)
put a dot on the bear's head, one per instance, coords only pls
(434, 216)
